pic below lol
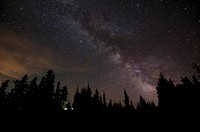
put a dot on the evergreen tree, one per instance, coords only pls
(101, 103)
(57, 97)
(96, 101)
(132, 108)
(126, 101)
(31, 96)
(64, 98)
(18, 93)
(3, 96)
(77, 100)
(142, 105)
(165, 90)
(110, 105)
(104, 100)
(46, 90)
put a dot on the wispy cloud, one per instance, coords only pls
(21, 56)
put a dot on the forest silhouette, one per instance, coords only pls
(47, 98)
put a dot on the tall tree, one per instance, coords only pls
(126, 101)
(18, 93)
(31, 97)
(77, 100)
(46, 89)
(3, 96)
(57, 97)
(104, 100)
(96, 101)
(64, 98)
(165, 90)
(142, 105)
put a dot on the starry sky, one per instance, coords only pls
(112, 44)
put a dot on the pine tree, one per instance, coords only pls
(126, 101)
(3, 96)
(31, 97)
(96, 101)
(18, 94)
(142, 105)
(104, 100)
(64, 97)
(76, 102)
(166, 94)
(46, 90)
(57, 97)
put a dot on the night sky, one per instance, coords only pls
(112, 44)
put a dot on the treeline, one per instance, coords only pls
(29, 97)
(47, 96)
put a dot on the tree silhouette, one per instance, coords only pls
(110, 105)
(96, 102)
(46, 92)
(64, 98)
(183, 97)
(141, 104)
(76, 102)
(126, 100)
(104, 100)
(165, 93)
(144, 106)
(18, 93)
(57, 97)
(128, 107)
(86, 99)
(83, 100)
(3, 96)
(30, 98)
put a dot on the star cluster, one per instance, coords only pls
(112, 44)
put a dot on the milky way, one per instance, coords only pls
(112, 44)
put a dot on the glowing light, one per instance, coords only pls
(65, 109)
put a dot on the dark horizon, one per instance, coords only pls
(171, 97)
(47, 98)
